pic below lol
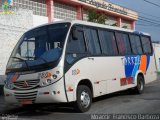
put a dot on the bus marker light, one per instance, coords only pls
(49, 74)
(97, 82)
(70, 89)
(7, 95)
(123, 81)
(130, 80)
(46, 93)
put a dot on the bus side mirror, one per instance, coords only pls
(75, 34)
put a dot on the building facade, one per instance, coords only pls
(38, 12)
(54, 10)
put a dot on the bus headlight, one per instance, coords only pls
(47, 82)
(50, 79)
(9, 85)
(54, 76)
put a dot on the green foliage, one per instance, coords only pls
(125, 27)
(93, 16)
(115, 24)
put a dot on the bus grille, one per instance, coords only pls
(26, 96)
(27, 84)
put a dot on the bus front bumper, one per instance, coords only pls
(54, 93)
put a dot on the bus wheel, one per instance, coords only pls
(139, 89)
(84, 99)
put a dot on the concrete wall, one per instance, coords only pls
(11, 29)
(56, 19)
(38, 20)
(156, 47)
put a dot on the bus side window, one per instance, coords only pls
(76, 46)
(76, 49)
(108, 42)
(146, 44)
(93, 41)
(123, 43)
(136, 44)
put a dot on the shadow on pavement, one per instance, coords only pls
(46, 109)
(116, 94)
(39, 109)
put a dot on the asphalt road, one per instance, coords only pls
(117, 103)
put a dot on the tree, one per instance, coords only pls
(93, 16)
(115, 24)
(125, 27)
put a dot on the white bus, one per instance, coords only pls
(75, 61)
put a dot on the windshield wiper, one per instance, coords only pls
(23, 61)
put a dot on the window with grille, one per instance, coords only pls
(66, 12)
(37, 6)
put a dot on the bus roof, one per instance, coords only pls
(80, 22)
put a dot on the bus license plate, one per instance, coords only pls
(26, 102)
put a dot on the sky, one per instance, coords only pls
(147, 12)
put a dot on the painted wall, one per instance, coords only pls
(156, 47)
(56, 19)
(39, 20)
(11, 29)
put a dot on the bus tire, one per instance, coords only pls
(139, 89)
(84, 99)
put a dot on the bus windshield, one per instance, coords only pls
(39, 47)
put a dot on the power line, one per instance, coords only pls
(142, 24)
(147, 25)
(148, 14)
(143, 12)
(146, 21)
(152, 3)
(150, 19)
